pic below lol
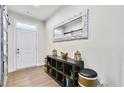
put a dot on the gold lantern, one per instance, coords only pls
(54, 52)
(64, 55)
(77, 56)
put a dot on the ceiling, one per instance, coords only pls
(42, 12)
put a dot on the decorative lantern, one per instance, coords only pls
(64, 55)
(54, 52)
(77, 56)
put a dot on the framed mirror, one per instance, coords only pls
(74, 28)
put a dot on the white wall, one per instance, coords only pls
(104, 50)
(41, 36)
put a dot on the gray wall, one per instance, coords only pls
(104, 50)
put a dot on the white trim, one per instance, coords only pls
(37, 47)
(5, 81)
(14, 51)
(26, 26)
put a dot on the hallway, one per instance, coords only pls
(30, 77)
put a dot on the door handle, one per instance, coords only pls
(17, 51)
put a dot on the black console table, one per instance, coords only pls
(64, 72)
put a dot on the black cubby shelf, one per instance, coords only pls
(64, 72)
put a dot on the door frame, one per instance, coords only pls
(15, 47)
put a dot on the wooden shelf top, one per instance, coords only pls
(68, 60)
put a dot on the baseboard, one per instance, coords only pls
(11, 70)
(5, 81)
(39, 64)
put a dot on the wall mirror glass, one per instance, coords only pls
(74, 28)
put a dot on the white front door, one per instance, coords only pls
(26, 48)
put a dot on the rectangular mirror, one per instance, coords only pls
(74, 28)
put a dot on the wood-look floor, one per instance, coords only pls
(30, 77)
